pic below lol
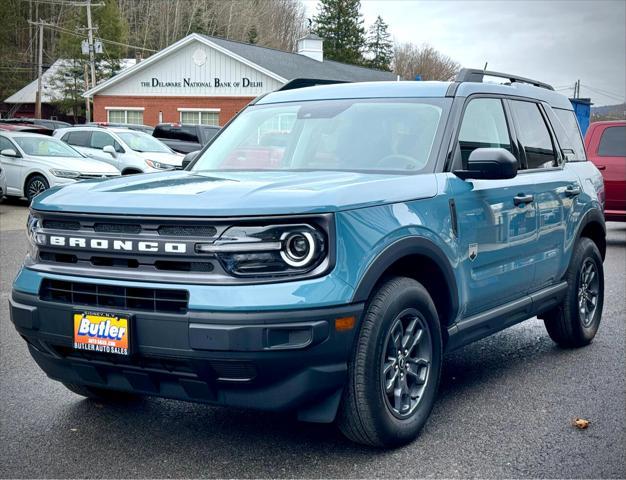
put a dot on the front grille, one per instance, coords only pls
(117, 228)
(133, 231)
(113, 296)
(187, 230)
(61, 225)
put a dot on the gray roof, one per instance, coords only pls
(292, 65)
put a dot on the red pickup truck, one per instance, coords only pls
(605, 143)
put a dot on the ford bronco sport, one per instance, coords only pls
(393, 222)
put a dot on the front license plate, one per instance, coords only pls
(101, 332)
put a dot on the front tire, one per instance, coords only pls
(394, 371)
(36, 185)
(575, 322)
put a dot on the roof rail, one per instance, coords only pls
(476, 75)
(307, 82)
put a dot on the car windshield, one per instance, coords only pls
(45, 147)
(142, 142)
(369, 135)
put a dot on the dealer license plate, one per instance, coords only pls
(101, 332)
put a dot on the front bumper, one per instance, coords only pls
(288, 360)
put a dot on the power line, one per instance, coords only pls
(603, 92)
(113, 42)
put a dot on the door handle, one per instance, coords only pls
(601, 167)
(522, 199)
(572, 190)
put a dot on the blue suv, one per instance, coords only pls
(323, 252)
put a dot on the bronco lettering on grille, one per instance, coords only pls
(117, 245)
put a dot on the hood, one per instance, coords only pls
(79, 164)
(163, 157)
(184, 193)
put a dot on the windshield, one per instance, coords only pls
(142, 142)
(349, 135)
(45, 147)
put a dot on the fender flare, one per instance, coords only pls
(403, 248)
(592, 215)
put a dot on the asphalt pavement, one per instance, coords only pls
(505, 409)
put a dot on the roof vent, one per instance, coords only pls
(312, 46)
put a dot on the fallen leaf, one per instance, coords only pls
(580, 423)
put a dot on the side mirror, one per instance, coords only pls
(489, 164)
(9, 152)
(110, 149)
(190, 157)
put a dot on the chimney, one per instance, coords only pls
(311, 46)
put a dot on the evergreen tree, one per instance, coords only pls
(379, 45)
(340, 24)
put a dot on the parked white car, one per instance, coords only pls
(3, 181)
(128, 150)
(33, 163)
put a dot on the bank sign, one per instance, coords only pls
(244, 82)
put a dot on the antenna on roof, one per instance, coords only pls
(485, 69)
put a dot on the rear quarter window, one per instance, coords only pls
(184, 134)
(613, 142)
(569, 136)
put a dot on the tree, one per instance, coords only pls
(379, 45)
(340, 24)
(427, 62)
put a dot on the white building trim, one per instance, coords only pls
(194, 37)
(184, 109)
(139, 109)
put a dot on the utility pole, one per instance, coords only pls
(39, 70)
(91, 47)
(87, 99)
(91, 56)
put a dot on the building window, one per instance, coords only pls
(200, 116)
(125, 115)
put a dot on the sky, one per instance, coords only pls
(554, 41)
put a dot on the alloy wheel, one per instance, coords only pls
(35, 188)
(406, 362)
(588, 291)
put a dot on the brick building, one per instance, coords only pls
(202, 79)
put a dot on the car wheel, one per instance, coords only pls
(103, 394)
(575, 322)
(36, 185)
(394, 371)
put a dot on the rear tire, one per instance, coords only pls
(103, 394)
(36, 185)
(575, 322)
(394, 371)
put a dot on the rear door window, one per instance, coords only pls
(534, 135)
(80, 138)
(613, 142)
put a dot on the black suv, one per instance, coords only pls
(185, 138)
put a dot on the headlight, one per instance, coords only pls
(35, 238)
(269, 250)
(158, 165)
(65, 173)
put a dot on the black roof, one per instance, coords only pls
(293, 65)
